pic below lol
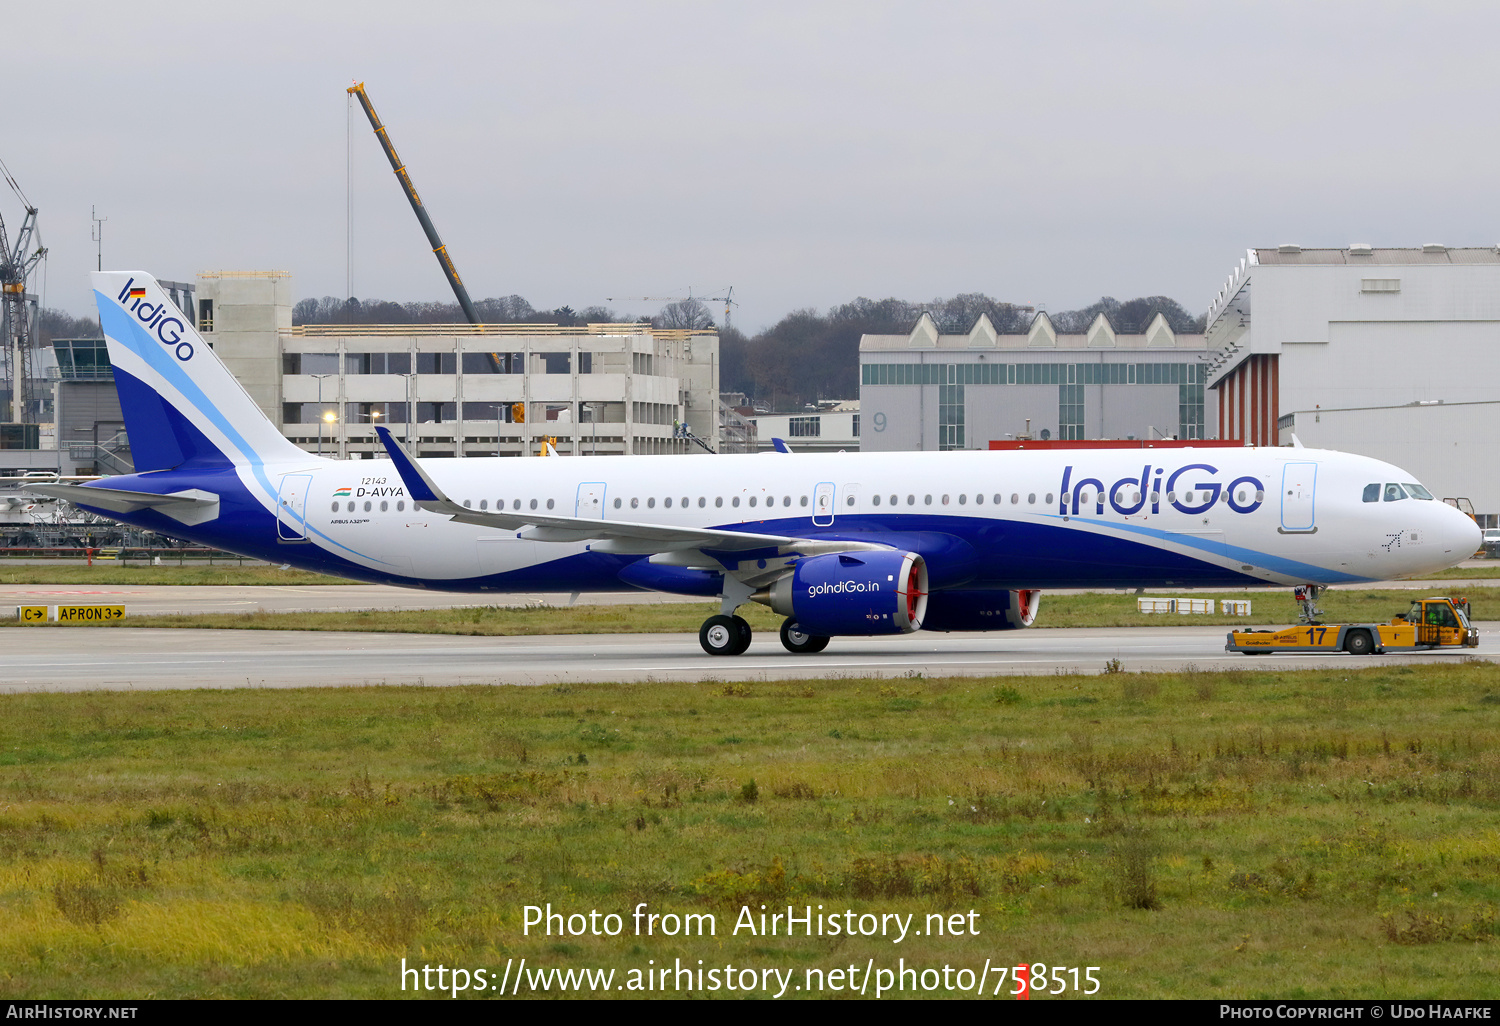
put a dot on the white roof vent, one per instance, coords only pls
(1289, 247)
(1361, 249)
(1434, 247)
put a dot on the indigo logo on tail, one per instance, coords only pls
(155, 317)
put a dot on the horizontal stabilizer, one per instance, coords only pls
(190, 506)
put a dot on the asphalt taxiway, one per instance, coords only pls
(90, 658)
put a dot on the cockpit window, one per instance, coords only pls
(1416, 491)
(1394, 493)
(1372, 492)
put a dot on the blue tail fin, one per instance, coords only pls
(182, 406)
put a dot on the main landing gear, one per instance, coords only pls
(724, 635)
(796, 640)
(729, 635)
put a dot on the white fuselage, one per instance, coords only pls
(1036, 519)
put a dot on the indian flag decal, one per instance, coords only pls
(341, 491)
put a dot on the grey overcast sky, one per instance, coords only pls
(805, 153)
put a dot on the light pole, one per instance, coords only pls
(328, 418)
(594, 416)
(321, 417)
(406, 428)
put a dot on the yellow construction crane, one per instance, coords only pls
(357, 90)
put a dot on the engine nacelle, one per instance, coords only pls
(854, 593)
(972, 609)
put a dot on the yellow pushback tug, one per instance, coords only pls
(1429, 623)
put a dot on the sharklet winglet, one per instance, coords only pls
(421, 487)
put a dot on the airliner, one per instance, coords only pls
(846, 544)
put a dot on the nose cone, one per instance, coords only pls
(1459, 536)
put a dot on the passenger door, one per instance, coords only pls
(291, 508)
(1298, 488)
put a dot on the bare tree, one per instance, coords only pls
(685, 313)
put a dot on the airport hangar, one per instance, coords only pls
(1392, 353)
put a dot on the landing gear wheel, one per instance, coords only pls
(795, 639)
(742, 626)
(1359, 643)
(724, 635)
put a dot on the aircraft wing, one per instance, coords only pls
(615, 536)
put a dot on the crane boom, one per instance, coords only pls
(438, 249)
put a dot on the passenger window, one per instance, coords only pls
(351, 507)
(1394, 493)
(927, 500)
(978, 499)
(368, 505)
(786, 500)
(484, 503)
(335, 507)
(735, 502)
(1014, 498)
(875, 499)
(684, 502)
(702, 502)
(911, 500)
(1372, 493)
(945, 500)
(384, 505)
(718, 501)
(667, 502)
(635, 503)
(549, 503)
(401, 505)
(1031, 499)
(533, 504)
(617, 504)
(651, 502)
(752, 500)
(515, 503)
(804, 500)
(849, 501)
(466, 504)
(1049, 498)
(893, 500)
(962, 499)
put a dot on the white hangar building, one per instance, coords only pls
(930, 391)
(1389, 352)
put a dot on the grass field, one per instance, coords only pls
(1088, 610)
(1253, 833)
(107, 573)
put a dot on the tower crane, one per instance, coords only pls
(16, 263)
(727, 299)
